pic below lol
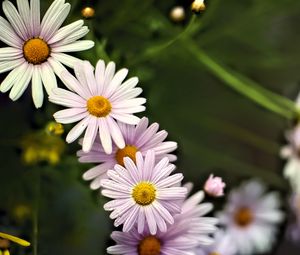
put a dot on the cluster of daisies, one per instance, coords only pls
(133, 159)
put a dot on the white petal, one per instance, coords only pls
(19, 88)
(23, 7)
(35, 17)
(65, 31)
(37, 88)
(90, 135)
(99, 75)
(72, 37)
(73, 84)
(10, 53)
(115, 82)
(105, 135)
(57, 67)
(109, 74)
(15, 19)
(12, 77)
(77, 130)
(126, 118)
(55, 22)
(72, 115)
(75, 46)
(8, 35)
(53, 9)
(48, 77)
(115, 133)
(9, 65)
(65, 59)
(89, 77)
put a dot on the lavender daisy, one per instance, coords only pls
(190, 229)
(137, 138)
(36, 48)
(97, 101)
(251, 217)
(143, 193)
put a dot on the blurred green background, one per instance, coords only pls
(218, 130)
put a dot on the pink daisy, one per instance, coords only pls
(137, 138)
(36, 48)
(97, 101)
(143, 193)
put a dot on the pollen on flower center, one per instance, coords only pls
(98, 106)
(127, 151)
(144, 193)
(36, 51)
(149, 246)
(243, 216)
(214, 253)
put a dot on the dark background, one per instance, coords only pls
(218, 130)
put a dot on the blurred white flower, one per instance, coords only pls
(251, 217)
(291, 153)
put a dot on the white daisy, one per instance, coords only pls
(291, 153)
(251, 218)
(143, 193)
(97, 101)
(137, 138)
(36, 48)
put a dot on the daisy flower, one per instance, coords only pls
(143, 193)
(36, 48)
(190, 229)
(251, 218)
(290, 152)
(223, 245)
(137, 138)
(97, 101)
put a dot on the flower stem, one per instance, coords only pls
(269, 100)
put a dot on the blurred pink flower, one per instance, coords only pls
(214, 186)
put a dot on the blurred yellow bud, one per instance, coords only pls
(54, 128)
(177, 14)
(88, 12)
(22, 212)
(198, 6)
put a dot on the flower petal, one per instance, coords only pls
(37, 88)
(15, 19)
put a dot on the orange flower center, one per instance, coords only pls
(36, 51)
(98, 106)
(243, 217)
(149, 246)
(127, 151)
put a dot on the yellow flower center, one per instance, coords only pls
(98, 106)
(36, 51)
(127, 151)
(243, 217)
(149, 246)
(214, 253)
(144, 193)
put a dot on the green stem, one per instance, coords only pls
(243, 85)
(36, 210)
